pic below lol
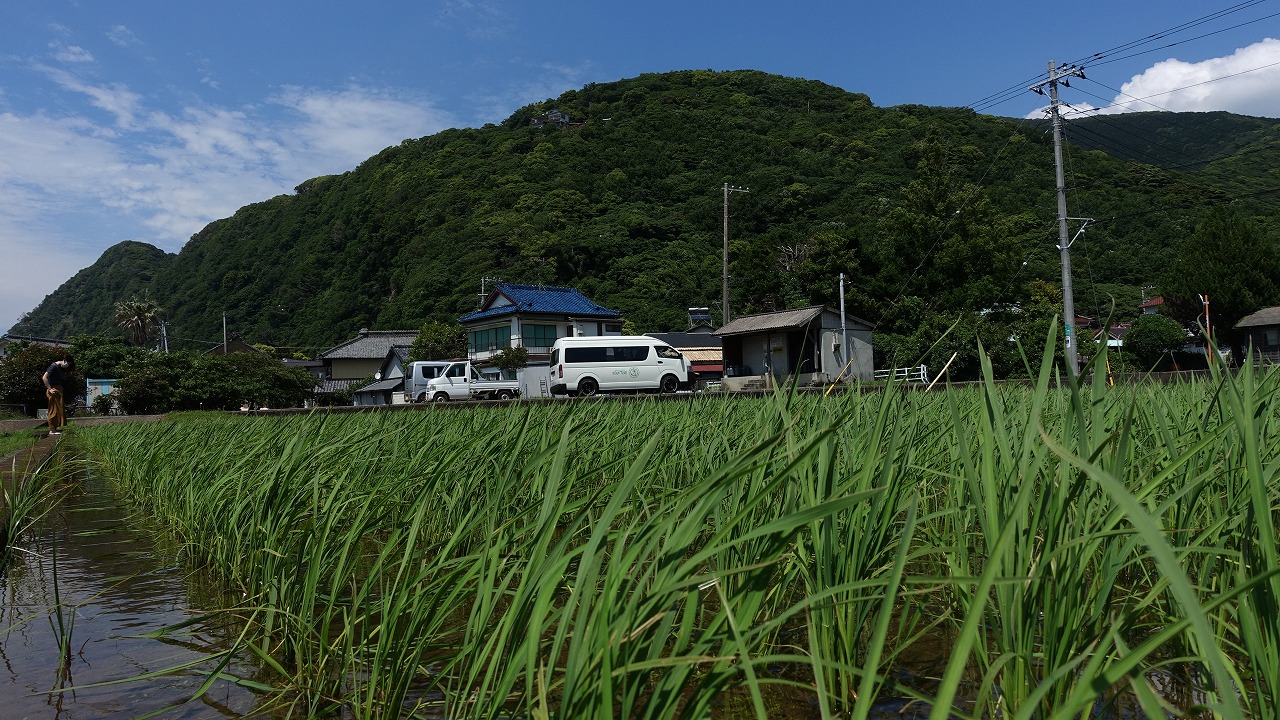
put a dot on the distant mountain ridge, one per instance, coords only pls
(623, 201)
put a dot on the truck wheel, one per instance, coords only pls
(669, 384)
(505, 395)
(440, 397)
(588, 387)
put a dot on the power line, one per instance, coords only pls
(1098, 58)
(1106, 56)
(1183, 42)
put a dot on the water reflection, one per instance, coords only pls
(115, 586)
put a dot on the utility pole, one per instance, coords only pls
(1064, 245)
(1208, 337)
(224, 333)
(844, 331)
(724, 309)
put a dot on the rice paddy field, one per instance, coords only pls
(1012, 551)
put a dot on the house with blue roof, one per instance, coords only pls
(532, 317)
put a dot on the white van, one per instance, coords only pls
(613, 363)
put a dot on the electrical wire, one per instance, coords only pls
(1107, 56)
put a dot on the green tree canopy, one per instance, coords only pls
(438, 341)
(163, 382)
(22, 371)
(1229, 260)
(511, 359)
(100, 356)
(1155, 337)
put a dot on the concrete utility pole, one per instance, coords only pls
(1208, 334)
(724, 309)
(844, 331)
(1064, 245)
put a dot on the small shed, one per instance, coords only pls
(97, 387)
(1262, 329)
(760, 350)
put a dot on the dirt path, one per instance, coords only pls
(17, 465)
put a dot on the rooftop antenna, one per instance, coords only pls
(483, 292)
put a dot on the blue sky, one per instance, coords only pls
(145, 120)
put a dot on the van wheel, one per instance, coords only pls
(669, 384)
(588, 387)
(505, 395)
(440, 397)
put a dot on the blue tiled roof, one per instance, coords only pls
(527, 299)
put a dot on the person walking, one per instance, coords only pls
(53, 378)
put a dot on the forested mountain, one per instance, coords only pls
(927, 211)
(85, 303)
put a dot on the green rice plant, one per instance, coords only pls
(32, 494)
(853, 564)
(643, 559)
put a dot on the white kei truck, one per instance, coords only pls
(442, 380)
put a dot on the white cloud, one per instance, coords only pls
(70, 53)
(78, 182)
(336, 130)
(116, 99)
(122, 36)
(1246, 82)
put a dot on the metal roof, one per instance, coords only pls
(382, 385)
(538, 299)
(370, 345)
(1262, 318)
(783, 320)
(702, 355)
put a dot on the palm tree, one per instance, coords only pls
(138, 317)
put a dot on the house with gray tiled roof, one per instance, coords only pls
(388, 386)
(532, 317)
(363, 355)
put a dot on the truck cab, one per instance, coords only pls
(440, 381)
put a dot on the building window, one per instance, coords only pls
(613, 327)
(490, 339)
(1273, 337)
(539, 336)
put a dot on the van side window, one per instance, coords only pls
(666, 351)
(633, 353)
(585, 355)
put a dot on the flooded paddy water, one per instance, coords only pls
(93, 560)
